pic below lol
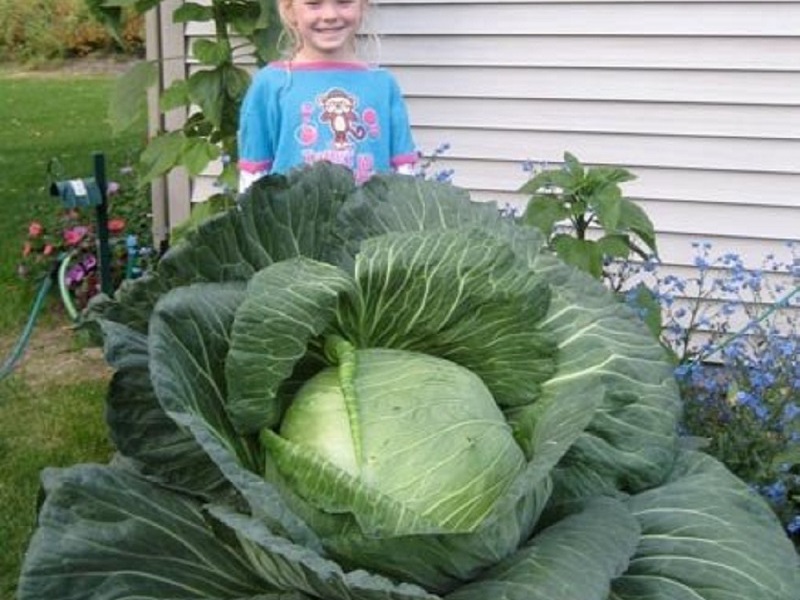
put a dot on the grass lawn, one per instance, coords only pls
(51, 408)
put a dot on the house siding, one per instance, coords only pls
(701, 100)
(166, 44)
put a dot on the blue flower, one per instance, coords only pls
(790, 412)
(443, 147)
(775, 492)
(681, 371)
(793, 527)
(444, 176)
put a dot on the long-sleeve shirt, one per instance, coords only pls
(350, 114)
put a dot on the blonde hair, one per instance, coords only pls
(290, 42)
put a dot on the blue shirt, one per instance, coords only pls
(346, 113)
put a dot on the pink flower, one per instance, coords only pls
(74, 235)
(369, 116)
(48, 249)
(116, 225)
(35, 229)
(113, 188)
(308, 135)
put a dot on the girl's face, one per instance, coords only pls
(327, 28)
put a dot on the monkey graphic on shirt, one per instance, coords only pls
(339, 111)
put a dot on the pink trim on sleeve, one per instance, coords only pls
(255, 166)
(405, 159)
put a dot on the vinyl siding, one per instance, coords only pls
(701, 100)
(166, 43)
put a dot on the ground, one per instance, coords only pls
(56, 354)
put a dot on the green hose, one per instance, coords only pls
(63, 288)
(22, 343)
(19, 349)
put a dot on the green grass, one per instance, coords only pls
(48, 421)
(51, 427)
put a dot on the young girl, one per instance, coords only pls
(323, 103)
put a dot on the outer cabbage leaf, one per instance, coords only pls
(631, 442)
(575, 559)
(389, 203)
(281, 217)
(231, 246)
(290, 566)
(131, 305)
(707, 536)
(288, 304)
(104, 533)
(139, 427)
(189, 340)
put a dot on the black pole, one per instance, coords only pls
(106, 285)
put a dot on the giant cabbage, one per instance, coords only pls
(390, 392)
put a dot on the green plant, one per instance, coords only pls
(566, 203)
(312, 388)
(27, 32)
(124, 24)
(212, 95)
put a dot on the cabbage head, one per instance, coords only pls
(390, 392)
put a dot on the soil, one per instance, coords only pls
(55, 355)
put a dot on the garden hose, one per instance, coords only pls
(19, 349)
(63, 288)
(22, 343)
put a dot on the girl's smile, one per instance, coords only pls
(327, 28)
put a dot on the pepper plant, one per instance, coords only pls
(211, 95)
(567, 202)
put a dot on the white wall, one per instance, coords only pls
(700, 99)
(166, 43)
